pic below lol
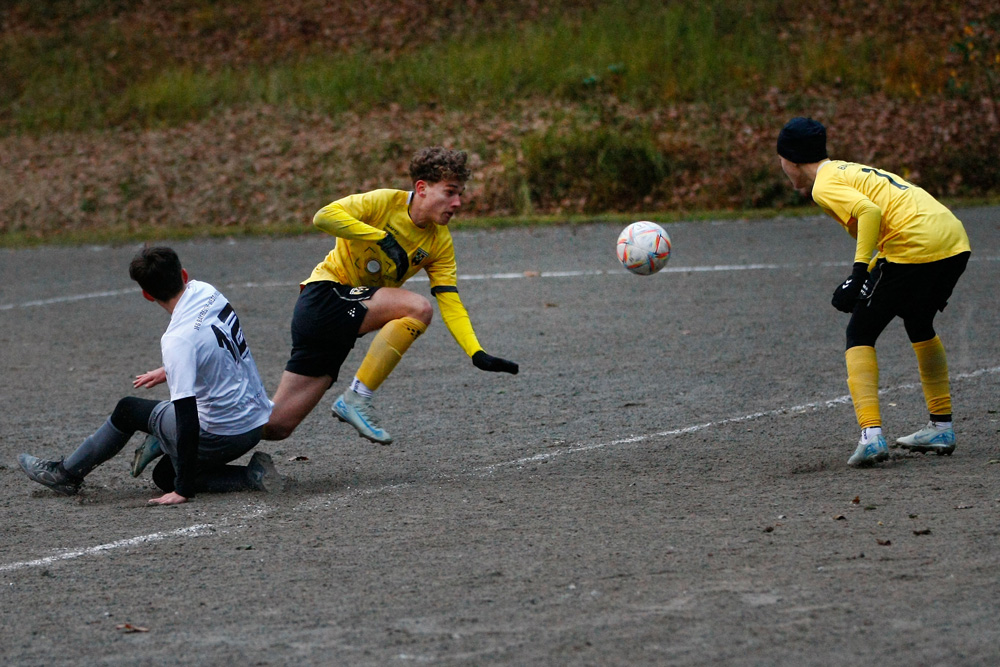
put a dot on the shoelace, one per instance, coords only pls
(363, 410)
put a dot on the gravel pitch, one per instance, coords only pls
(665, 481)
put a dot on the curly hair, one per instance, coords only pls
(436, 164)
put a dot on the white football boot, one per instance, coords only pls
(357, 410)
(871, 449)
(934, 437)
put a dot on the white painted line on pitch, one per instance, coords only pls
(69, 298)
(804, 407)
(544, 456)
(191, 531)
(416, 279)
(198, 530)
(528, 274)
(330, 500)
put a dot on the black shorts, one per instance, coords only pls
(325, 326)
(906, 290)
(913, 292)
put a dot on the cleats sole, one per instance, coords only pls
(865, 463)
(940, 450)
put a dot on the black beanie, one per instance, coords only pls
(802, 140)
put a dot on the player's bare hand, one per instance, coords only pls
(150, 379)
(486, 362)
(172, 498)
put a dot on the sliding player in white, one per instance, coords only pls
(218, 404)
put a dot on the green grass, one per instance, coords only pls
(644, 52)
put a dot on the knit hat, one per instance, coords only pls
(802, 140)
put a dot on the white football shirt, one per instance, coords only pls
(206, 356)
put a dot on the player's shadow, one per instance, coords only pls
(128, 492)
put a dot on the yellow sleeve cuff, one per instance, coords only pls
(456, 318)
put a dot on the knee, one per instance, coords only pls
(122, 412)
(422, 310)
(280, 426)
(131, 414)
(275, 431)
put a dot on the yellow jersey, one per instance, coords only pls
(915, 228)
(360, 221)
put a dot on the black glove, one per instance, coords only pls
(846, 295)
(869, 287)
(485, 362)
(390, 246)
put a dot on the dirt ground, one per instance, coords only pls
(665, 481)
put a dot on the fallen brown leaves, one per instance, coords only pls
(128, 628)
(267, 167)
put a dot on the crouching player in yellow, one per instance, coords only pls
(384, 237)
(911, 251)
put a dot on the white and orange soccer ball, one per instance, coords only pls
(643, 247)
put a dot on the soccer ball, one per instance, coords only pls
(643, 247)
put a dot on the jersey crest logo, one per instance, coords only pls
(420, 255)
(357, 291)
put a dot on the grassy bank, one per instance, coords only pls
(127, 119)
(117, 72)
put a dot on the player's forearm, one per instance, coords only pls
(456, 318)
(335, 220)
(188, 434)
(869, 218)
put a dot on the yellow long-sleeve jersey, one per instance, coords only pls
(884, 212)
(360, 221)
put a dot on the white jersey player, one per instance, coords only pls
(217, 405)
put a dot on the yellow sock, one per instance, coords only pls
(862, 379)
(933, 366)
(387, 349)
